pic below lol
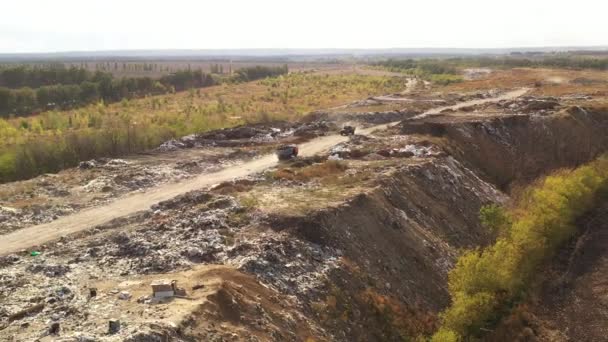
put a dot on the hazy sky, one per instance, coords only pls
(75, 25)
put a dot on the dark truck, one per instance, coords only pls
(287, 152)
(347, 130)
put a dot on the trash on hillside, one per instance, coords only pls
(113, 326)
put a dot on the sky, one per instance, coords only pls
(87, 25)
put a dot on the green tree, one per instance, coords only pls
(7, 101)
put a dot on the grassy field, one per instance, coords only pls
(57, 139)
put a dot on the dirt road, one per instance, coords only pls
(36, 235)
(506, 96)
(130, 204)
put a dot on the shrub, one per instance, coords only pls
(445, 79)
(258, 72)
(445, 335)
(494, 217)
(487, 282)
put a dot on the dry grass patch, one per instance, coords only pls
(314, 187)
(296, 200)
(307, 173)
(56, 140)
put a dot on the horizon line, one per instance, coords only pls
(339, 49)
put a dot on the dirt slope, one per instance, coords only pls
(572, 301)
(575, 302)
(519, 147)
(40, 234)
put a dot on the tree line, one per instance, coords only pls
(21, 76)
(56, 139)
(101, 86)
(258, 72)
(421, 67)
(566, 62)
(450, 65)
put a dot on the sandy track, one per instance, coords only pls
(506, 96)
(40, 234)
(130, 204)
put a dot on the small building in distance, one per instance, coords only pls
(163, 288)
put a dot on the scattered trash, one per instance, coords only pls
(35, 253)
(340, 151)
(49, 270)
(347, 130)
(113, 326)
(124, 295)
(26, 312)
(54, 328)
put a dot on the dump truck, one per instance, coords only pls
(287, 152)
(347, 130)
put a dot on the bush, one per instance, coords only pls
(445, 335)
(494, 217)
(486, 283)
(258, 72)
(445, 79)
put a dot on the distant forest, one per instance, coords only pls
(26, 90)
(448, 65)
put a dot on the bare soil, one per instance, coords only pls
(571, 301)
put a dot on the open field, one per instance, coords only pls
(132, 126)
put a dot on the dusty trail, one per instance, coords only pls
(40, 234)
(506, 96)
(404, 99)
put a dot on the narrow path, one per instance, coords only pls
(506, 96)
(37, 235)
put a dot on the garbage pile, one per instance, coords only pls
(531, 105)
(231, 137)
(192, 229)
(12, 219)
(94, 182)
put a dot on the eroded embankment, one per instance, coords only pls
(399, 241)
(568, 302)
(520, 148)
